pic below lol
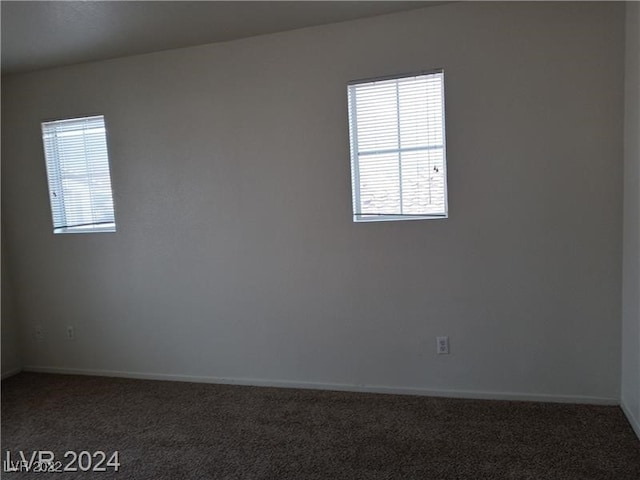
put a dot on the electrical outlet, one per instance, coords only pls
(442, 345)
(37, 333)
(71, 332)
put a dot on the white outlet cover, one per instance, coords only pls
(442, 345)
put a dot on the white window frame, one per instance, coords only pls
(358, 214)
(88, 206)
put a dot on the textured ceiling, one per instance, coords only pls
(38, 35)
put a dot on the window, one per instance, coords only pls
(397, 134)
(78, 174)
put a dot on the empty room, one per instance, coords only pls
(320, 240)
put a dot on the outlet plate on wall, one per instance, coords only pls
(442, 345)
(38, 333)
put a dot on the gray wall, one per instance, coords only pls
(631, 237)
(10, 328)
(236, 257)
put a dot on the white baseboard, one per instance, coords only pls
(635, 423)
(10, 373)
(333, 386)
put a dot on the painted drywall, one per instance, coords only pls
(631, 235)
(10, 329)
(236, 256)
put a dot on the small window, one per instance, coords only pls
(397, 134)
(78, 174)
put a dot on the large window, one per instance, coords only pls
(78, 174)
(397, 134)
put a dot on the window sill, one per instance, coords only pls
(103, 228)
(396, 218)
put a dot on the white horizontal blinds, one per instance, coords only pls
(78, 173)
(397, 147)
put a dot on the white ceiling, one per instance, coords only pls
(38, 35)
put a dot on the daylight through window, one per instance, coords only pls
(397, 134)
(78, 174)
